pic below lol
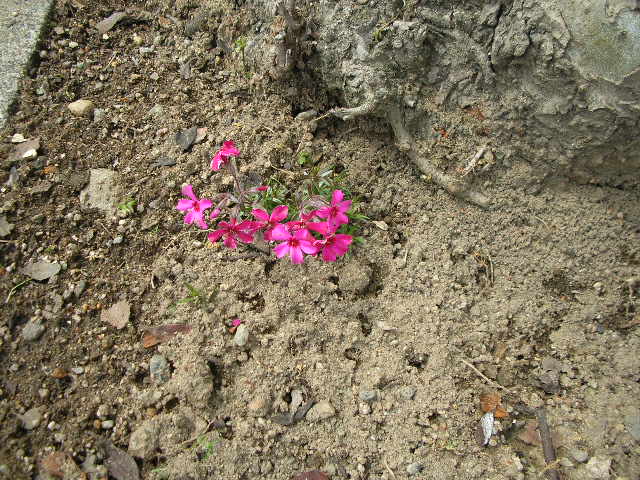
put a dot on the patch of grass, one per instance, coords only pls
(196, 296)
(127, 206)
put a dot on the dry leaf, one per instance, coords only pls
(108, 23)
(530, 434)
(156, 335)
(500, 412)
(311, 475)
(49, 169)
(117, 315)
(489, 402)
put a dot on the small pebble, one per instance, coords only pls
(159, 369)
(241, 337)
(33, 330)
(578, 455)
(414, 468)
(31, 418)
(107, 424)
(368, 396)
(78, 370)
(408, 392)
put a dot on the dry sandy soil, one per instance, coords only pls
(539, 292)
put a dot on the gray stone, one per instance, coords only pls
(79, 288)
(414, 468)
(33, 330)
(118, 240)
(107, 424)
(632, 422)
(597, 468)
(5, 227)
(78, 370)
(241, 337)
(143, 442)
(159, 369)
(578, 455)
(101, 192)
(368, 396)
(41, 270)
(320, 411)
(185, 138)
(408, 392)
(82, 108)
(98, 114)
(155, 111)
(31, 418)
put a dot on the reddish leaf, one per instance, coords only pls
(311, 475)
(156, 335)
(490, 401)
(500, 412)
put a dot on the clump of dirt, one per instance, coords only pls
(360, 368)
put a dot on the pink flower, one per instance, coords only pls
(221, 158)
(262, 188)
(335, 213)
(232, 232)
(269, 221)
(296, 244)
(194, 206)
(236, 322)
(334, 246)
(302, 224)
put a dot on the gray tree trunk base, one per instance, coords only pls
(557, 81)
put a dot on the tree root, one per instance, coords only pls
(406, 144)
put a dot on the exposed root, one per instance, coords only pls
(355, 112)
(452, 185)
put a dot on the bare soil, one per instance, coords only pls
(539, 292)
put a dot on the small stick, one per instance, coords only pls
(547, 445)
(7, 241)
(486, 379)
(473, 161)
(389, 468)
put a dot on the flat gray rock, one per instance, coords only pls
(41, 270)
(101, 192)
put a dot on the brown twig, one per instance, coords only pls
(485, 378)
(547, 445)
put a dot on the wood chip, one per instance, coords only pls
(156, 335)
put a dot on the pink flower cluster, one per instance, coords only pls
(313, 233)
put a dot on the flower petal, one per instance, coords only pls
(184, 204)
(187, 191)
(280, 232)
(189, 217)
(245, 237)
(324, 212)
(215, 213)
(281, 249)
(229, 149)
(308, 248)
(260, 214)
(213, 237)
(279, 213)
(230, 241)
(336, 197)
(204, 203)
(296, 255)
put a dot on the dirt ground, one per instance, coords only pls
(539, 292)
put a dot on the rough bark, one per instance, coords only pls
(556, 82)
